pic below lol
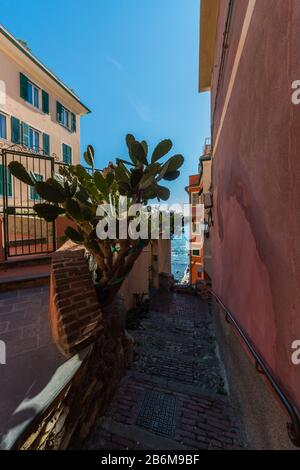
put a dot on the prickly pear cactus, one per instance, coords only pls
(77, 192)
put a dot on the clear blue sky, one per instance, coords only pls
(133, 62)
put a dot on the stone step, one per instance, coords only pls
(178, 387)
(25, 261)
(28, 271)
(13, 282)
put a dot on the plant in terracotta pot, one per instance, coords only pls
(78, 193)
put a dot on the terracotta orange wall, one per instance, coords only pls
(256, 176)
(195, 263)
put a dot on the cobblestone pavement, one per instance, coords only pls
(175, 395)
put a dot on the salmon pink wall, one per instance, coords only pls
(256, 181)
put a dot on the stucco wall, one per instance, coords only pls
(256, 173)
(19, 108)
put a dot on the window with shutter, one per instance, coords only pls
(15, 130)
(45, 102)
(67, 154)
(73, 128)
(59, 109)
(46, 144)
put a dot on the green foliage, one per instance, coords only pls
(161, 149)
(48, 211)
(74, 235)
(17, 169)
(77, 193)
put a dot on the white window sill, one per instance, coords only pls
(65, 127)
(34, 108)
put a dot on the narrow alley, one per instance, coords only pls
(175, 395)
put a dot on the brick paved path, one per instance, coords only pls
(175, 395)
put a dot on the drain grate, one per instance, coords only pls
(158, 413)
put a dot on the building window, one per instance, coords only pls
(33, 194)
(33, 95)
(65, 117)
(66, 154)
(195, 198)
(8, 182)
(196, 252)
(34, 139)
(2, 126)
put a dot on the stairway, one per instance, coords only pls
(25, 271)
(175, 395)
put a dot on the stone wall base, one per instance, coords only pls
(264, 419)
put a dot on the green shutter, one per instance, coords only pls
(73, 125)
(45, 102)
(58, 111)
(65, 157)
(46, 144)
(8, 182)
(23, 86)
(25, 134)
(15, 130)
(67, 154)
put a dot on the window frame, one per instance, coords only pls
(36, 133)
(65, 117)
(35, 93)
(193, 253)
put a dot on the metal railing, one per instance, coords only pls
(294, 426)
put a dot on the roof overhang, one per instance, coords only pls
(208, 26)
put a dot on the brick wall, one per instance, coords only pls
(76, 320)
(75, 315)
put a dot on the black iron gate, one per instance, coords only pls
(24, 232)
